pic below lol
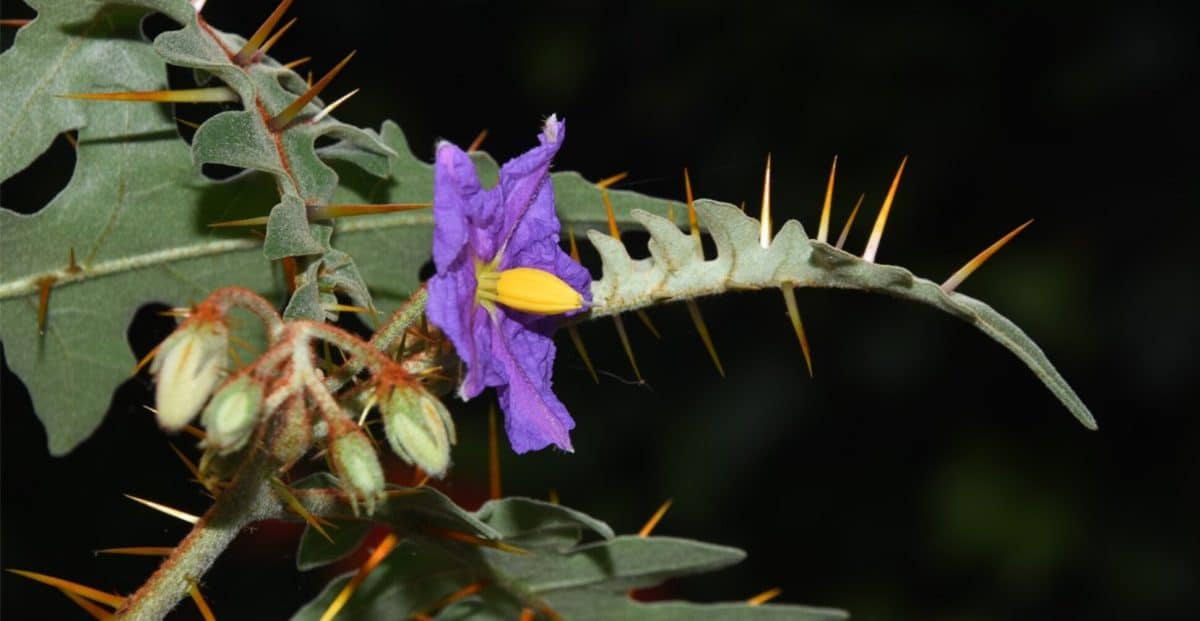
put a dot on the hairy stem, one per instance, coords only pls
(247, 499)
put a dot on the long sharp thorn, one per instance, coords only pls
(455, 535)
(702, 328)
(45, 284)
(246, 54)
(611, 180)
(654, 519)
(266, 46)
(297, 62)
(194, 590)
(187, 123)
(443, 602)
(281, 120)
(823, 229)
(70, 140)
(89, 607)
(764, 597)
(494, 491)
(628, 348)
(346, 308)
(72, 266)
(145, 360)
(96, 595)
(191, 468)
(612, 216)
(963, 272)
(15, 22)
(478, 141)
(195, 432)
(381, 551)
(789, 298)
(693, 223)
(260, 221)
(881, 219)
(285, 494)
(764, 231)
(327, 110)
(577, 341)
(139, 551)
(212, 94)
(645, 318)
(175, 513)
(849, 222)
(326, 212)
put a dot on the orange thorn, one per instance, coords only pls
(628, 348)
(266, 47)
(849, 222)
(175, 513)
(296, 63)
(327, 212)
(247, 53)
(72, 266)
(71, 140)
(963, 272)
(291, 269)
(260, 221)
(454, 535)
(641, 314)
(381, 551)
(478, 141)
(764, 597)
(823, 229)
(493, 455)
(281, 120)
(327, 110)
(15, 22)
(424, 479)
(609, 181)
(577, 341)
(145, 360)
(702, 328)
(44, 285)
(191, 467)
(293, 503)
(92, 609)
(139, 551)
(789, 298)
(881, 219)
(308, 79)
(96, 595)
(460, 594)
(213, 94)
(691, 205)
(654, 519)
(201, 605)
(612, 217)
(764, 232)
(195, 432)
(527, 614)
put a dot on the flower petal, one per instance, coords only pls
(528, 194)
(533, 416)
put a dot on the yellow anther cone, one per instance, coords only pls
(530, 290)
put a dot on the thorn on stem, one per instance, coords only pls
(655, 519)
(621, 334)
(611, 180)
(963, 272)
(478, 141)
(247, 54)
(577, 341)
(45, 284)
(698, 321)
(764, 232)
(212, 94)
(285, 117)
(789, 298)
(849, 222)
(381, 551)
(823, 229)
(881, 219)
(764, 597)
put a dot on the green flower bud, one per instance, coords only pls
(230, 416)
(357, 465)
(291, 433)
(187, 368)
(419, 428)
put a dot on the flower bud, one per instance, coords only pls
(187, 368)
(356, 464)
(291, 433)
(419, 428)
(230, 416)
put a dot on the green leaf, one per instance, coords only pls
(317, 551)
(535, 524)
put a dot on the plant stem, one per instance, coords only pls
(387, 335)
(247, 499)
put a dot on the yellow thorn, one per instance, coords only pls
(175, 513)
(553, 496)
(92, 609)
(381, 551)
(139, 551)
(346, 308)
(571, 243)
(191, 467)
(214, 94)
(187, 123)
(478, 141)
(308, 80)
(342, 210)
(195, 432)
(764, 232)
(248, 51)
(293, 503)
(789, 298)
(573, 332)
(327, 110)
(691, 206)
(45, 284)
(702, 328)
(96, 595)
(654, 519)
(641, 314)
(611, 180)
(612, 217)
(823, 229)
(260, 221)
(493, 455)
(972, 265)
(849, 222)
(628, 348)
(266, 47)
(297, 62)
(455, 535)
(881, 219)
(281, 120)
(201, 605)
(764, 597)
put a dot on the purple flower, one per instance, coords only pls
(503, 281)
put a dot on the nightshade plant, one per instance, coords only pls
(343, 229)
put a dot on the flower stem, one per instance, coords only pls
(387, 335)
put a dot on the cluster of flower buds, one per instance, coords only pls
(189, 365)
(418, 427)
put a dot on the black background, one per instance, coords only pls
(924, 473)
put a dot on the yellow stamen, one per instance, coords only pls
(526, 289)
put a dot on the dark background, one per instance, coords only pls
(924, 473)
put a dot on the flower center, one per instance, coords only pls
(525, 289)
